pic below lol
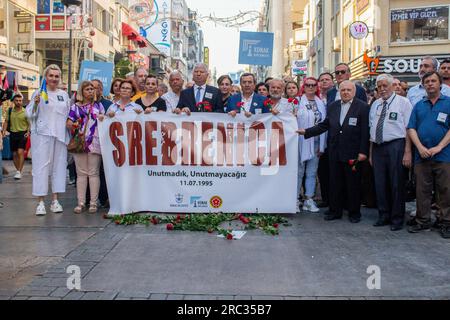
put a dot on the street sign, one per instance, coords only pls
(256, 48)
(103, 71)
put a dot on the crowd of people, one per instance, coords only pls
(343, 130)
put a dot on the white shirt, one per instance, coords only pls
(396, 121)
(247, 102)
(338, 94)
(172, 100)
(130, 107)
(283, 106)
(344, 110)
(50, 118)
(202, 92)
(418, 92)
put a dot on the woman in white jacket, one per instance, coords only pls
(49, 139)
(311, 112)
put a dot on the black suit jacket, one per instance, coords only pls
(360, 94)
(187, 99)
(347, 141)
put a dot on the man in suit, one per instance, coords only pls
(252, 102)
(200, 92)
(347, 123)
(343, 73)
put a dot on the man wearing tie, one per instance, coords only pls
(195, 98)
(347, 123)
(252, 103)
(390, 150)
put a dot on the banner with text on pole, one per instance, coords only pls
(256, 48)
(200, 163)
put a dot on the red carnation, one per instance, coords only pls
(351, 162)
(229, 236)
(295, 101)
(208, 108)
(240, 104)
(169, 226)
(275, 225)
(154, 220)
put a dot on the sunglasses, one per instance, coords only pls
(310, 85)
(339, 72)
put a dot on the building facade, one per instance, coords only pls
(17, 46)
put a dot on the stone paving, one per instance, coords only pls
(312, 259)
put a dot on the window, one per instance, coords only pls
(420, 24)
(24, 27)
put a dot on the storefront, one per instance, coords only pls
(405, 68)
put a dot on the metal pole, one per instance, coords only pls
(69, 84)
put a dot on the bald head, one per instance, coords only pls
(347, 90)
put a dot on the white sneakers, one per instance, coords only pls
(18, 175)
(40, 210)
(55, 207)
(310, 205)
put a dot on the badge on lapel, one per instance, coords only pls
(393, 116)
(353, 122)
(208, 95)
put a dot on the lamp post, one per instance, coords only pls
(70, 5)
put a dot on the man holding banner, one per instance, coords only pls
(201, 97)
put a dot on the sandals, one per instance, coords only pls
(79, 209)
(93, 208)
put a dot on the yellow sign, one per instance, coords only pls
(206, 56)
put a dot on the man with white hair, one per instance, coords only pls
(176, 85)
(347, 123)
(279, 104)
(418, 92)
(201, 97)
(390, 150)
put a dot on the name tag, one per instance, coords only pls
(393, 116)
(154, 109)
(258, 111)
(60, 98)
(208, 95)
(353, 122)
(442, 117)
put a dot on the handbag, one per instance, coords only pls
(77, 142)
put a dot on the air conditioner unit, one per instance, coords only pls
(336, 44)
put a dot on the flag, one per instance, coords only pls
(43, 91)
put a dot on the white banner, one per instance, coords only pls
(204, 163)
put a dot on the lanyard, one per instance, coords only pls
(388, 106)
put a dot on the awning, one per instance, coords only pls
(133, 35)
(128, 31)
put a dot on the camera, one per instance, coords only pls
(6, 94)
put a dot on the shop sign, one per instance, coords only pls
(359, 30)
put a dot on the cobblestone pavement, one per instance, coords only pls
(312, 259)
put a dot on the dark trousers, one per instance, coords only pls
(346, 186)
(428, 173)
(389, 180)
(323, 173)
(103, 194)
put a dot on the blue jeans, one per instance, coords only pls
(310, 168)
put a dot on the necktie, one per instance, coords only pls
(380, 125)
(198, 96)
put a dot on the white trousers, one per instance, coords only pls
(49, 162)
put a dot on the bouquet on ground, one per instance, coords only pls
(204, 106)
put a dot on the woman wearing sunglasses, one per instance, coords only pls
(311, 112)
